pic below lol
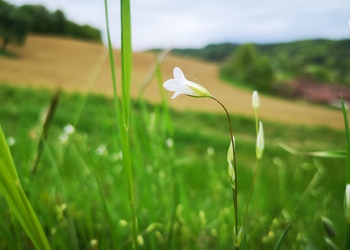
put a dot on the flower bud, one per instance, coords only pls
(260, 142)
(255, 100)
(230, 162)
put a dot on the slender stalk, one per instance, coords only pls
(123, 109)
(234, 194)
(256, 121)
(250, 191)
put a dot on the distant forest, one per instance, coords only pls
(17, 21)
(320, 59)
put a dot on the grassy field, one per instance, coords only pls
(72, 65)
(183, 196)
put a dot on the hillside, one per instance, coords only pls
(71, 65)
(321, 59)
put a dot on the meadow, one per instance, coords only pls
(92, 171)
(183, 198)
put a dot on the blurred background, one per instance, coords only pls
(57, 112)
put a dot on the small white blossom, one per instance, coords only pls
(260, 141)
(69, 129)
(210, 151)
(180, 85)
(255, 100)
(101, 149)
(11, 141)
(169, 142)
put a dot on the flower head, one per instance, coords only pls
(180, 85)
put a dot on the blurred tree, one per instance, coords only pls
(14, 24)
(248, 66)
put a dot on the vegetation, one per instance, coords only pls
(320, 59)
(17, 22)
(249, 67)
(182, 189)
(14, 24)
(113, 174)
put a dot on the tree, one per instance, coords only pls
(248, 66)
(14, 24)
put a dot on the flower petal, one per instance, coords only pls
(176, 94)
(171, 85)
(179, 75)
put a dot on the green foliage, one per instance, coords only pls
(320, 59)
(213, 53)
(17, 22)
(248, 66)
(182, 191)
(11, 189)
(46, 22)
(14, 24)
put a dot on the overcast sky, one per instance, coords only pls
(194, 24)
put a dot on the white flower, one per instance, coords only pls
(169, 142)
(11, 141)
(68, 129)
(101, 149)
(260, 141)
(255, 100)
(180, 85)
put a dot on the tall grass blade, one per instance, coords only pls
(282, 237)
(123, 110)
(12, 190)
(323, 154)
(126, 52)
(347, 133)
(126, 82)
(46, 126)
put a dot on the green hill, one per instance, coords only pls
(321, 59)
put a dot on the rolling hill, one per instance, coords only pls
(72, 65)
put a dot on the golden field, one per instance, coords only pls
(72, 65)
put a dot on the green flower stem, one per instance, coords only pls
(256, 121)
(250, 191)
(235, 201)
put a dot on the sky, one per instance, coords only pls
(195, 23)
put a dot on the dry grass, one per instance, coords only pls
(69, 64)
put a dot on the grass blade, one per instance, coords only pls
(283, 235)
(123, 110)
(347, 133)
(12, 190)
(126, 52)
(323, 154)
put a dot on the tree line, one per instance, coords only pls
(265, 66)
(16, 22)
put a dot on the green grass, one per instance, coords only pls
(183, 198)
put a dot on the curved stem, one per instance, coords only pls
(235, 203)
